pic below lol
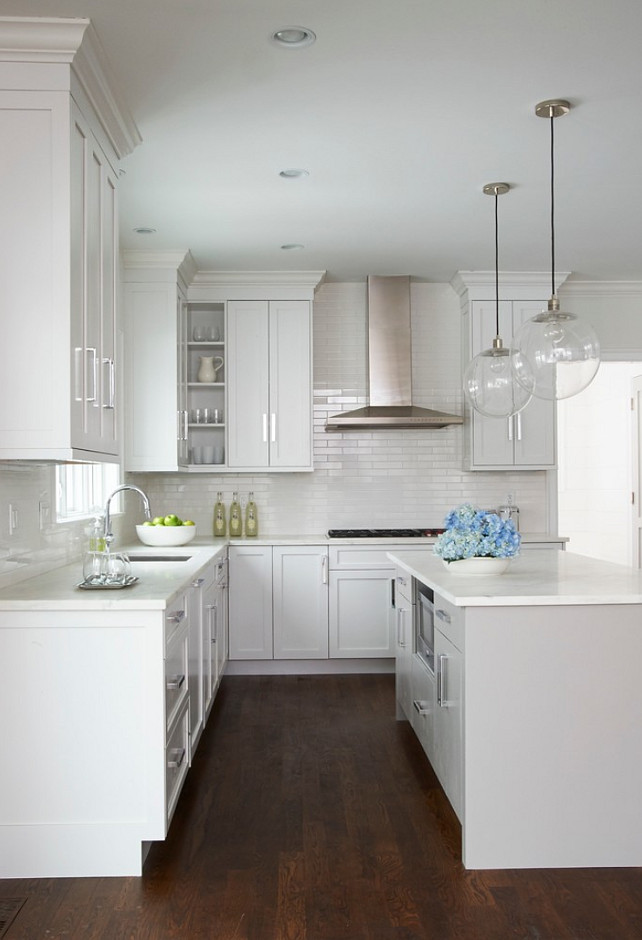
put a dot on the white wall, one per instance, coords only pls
(381, 479)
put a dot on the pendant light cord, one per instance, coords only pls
(496, 264)
(552, 210)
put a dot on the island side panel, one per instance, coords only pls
(553, 737)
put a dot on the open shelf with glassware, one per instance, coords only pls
(204, 378)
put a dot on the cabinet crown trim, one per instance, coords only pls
(513, 285)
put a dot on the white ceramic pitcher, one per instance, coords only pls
(208, 366)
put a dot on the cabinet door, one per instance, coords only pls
(362, 618)
(153, 421)
(250, 602)
(94, 243)
(403, 646)
(247, 376)
(448, 752)
(300, 602)
(290, 384)
(535, 431)
(424, 703)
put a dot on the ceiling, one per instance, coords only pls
(400, 112)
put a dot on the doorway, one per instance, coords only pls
(594, 481)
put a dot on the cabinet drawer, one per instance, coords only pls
(176, 760)
(371, 556)
(175, 617)
(423, 704)
(449, 620)
(176, 666)
(403, 585)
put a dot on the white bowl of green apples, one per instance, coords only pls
(166, 530)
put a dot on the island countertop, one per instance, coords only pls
(543, 578)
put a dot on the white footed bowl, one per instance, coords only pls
(165, 534)
(478, 566)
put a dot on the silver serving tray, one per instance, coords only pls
(90, 586)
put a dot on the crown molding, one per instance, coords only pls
(513, 285)
(603, 288)
(73, 42)
(176, 261)
(309, 279)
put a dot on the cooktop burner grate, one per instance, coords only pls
(383, 533)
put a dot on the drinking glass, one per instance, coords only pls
(199, 334)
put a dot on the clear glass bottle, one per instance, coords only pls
(236, 523)
(251, 518)
(220, 524)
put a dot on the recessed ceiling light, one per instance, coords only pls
(293, 37)
(143, 230)
(293, 174)
(293, 247)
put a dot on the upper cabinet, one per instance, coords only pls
(270, 384)
(219, 367)
(527, 440)
(58, 257)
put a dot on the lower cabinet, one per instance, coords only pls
(404, 644)
(433, 704)
(278, 602)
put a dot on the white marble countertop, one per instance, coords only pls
(545, 577)
(159, 581)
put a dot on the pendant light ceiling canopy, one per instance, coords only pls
(556, 355)
(490, 384)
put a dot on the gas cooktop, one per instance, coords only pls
(383, 533)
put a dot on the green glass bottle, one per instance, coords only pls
(220, 525)
(236, 524)
(251, 518)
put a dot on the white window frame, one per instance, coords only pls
(82, 489)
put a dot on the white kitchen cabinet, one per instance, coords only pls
(448, 758)
(250, 602)
(58, 257)
(269, 369)
(300, 601)
(525, 441)
(156, 360)
(404, 643)
(362, 618)
(278, 602)
(424, 703)
(214, 631)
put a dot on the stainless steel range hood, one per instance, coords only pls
(389, 367)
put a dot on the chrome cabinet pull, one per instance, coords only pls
(324, 570)
(111, 383)
(442, 615)
(510, 428)
(197, 583)
(401, 632)
(176, 757)
(174, 682)
(176, 616)
(181, 425)
(423, 708)
(518, 417)
(441, 681)
(93, 371)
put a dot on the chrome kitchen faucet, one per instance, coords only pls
(109, 535)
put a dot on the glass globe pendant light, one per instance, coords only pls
(489, 380)
(556, 355)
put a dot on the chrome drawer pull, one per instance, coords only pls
(176, 757)
(423, 708)
(443, 615)
(176, 617)
(197, 583)
(441, 682)
(175, 682)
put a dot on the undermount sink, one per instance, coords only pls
(158, 558)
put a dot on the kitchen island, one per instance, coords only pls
(535, 724)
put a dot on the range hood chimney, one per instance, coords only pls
(389, 367)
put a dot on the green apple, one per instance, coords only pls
(148, 522)
(188, 522)
(172, 519)
(158, 520)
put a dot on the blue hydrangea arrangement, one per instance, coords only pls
(472, 533)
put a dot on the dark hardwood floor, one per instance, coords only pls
(311, 814)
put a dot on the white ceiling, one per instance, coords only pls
(401, 111)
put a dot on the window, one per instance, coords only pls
(82, 488)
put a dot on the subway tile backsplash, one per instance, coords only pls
(380, 479)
